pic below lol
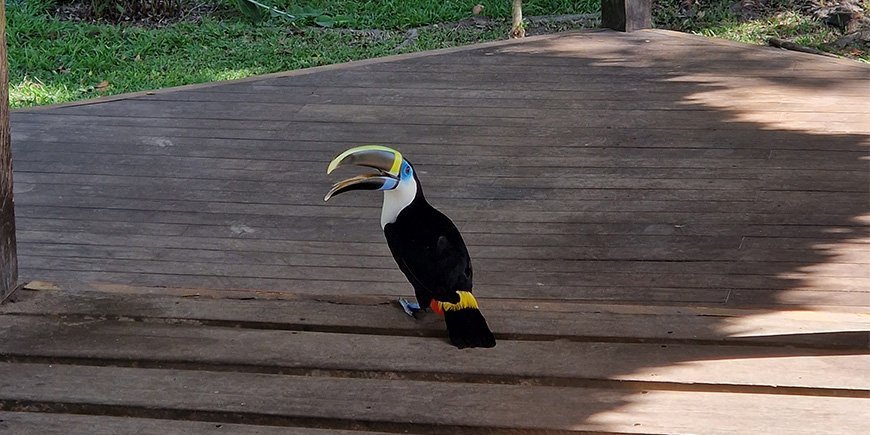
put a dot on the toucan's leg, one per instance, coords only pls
(410, 308)
(422, 304)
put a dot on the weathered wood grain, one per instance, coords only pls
(8, 260)
(44, 423)
(626, 15)
(803, 371)
(377, 404)
(534, 319)
(667, 231)
(396, 134)
(310, 119)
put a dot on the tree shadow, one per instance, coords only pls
(652, 170)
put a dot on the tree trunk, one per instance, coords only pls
(8, 260)
(626, 15)
(518, 30)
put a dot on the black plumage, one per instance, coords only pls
(425, 243)
(430, 251)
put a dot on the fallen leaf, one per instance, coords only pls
(41, 285)
(477, 9)
(102, 86)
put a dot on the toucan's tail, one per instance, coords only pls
(465, 324)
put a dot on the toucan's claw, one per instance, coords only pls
(411, 308)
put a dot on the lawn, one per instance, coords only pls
(56, 61)
(53, 60)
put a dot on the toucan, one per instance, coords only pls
(425, 243)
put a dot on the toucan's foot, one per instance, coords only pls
(410, 308)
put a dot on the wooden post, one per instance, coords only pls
(517, 29)
(626, 15)
(8, 259)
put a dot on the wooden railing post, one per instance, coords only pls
(8, 259)
(626, 15)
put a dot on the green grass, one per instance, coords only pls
(53, 61)
(784, 25)
(402, 14)
(779, 20)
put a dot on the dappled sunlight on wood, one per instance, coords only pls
(762, 101)
(672, 412)
(669, 234)
(792, 322)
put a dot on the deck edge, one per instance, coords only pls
(311, 70)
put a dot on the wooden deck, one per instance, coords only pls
(669, 233)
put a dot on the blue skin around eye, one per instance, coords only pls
(406, 174)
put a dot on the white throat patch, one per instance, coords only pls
(396, 200)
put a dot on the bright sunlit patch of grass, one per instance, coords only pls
(780, 19)
(55, 61)
(785, 25)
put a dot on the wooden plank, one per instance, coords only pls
(495, 99)
(143, 110)
(437, 81)
(312, 114)
(34, 423)
(569, 66)
(239, 256)
(622, 249)
(667, 45)
(479, 190)
(41, 218)
(798, 297)
(517, 280)
(469, 201)
(377, 404)
(482, 211)
(538, 97)
(489, 165)
(595, 181)
(816, 372)
(8, 260)
(324, 286)
(484, 195)
(664, 136)
(535, 319)
(437, 117)
(313, 152)
(649, 195)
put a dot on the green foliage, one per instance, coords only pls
(404, 14)
(55, 61)
(760, 20)
(250, 10)
(112, 9)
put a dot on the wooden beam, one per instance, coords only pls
(8, 260)
(626, 15)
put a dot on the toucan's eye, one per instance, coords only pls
(407, 170)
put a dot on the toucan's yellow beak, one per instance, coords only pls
(386, 160)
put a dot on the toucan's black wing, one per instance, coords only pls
(430, 252)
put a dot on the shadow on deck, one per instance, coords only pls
(669, 233)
